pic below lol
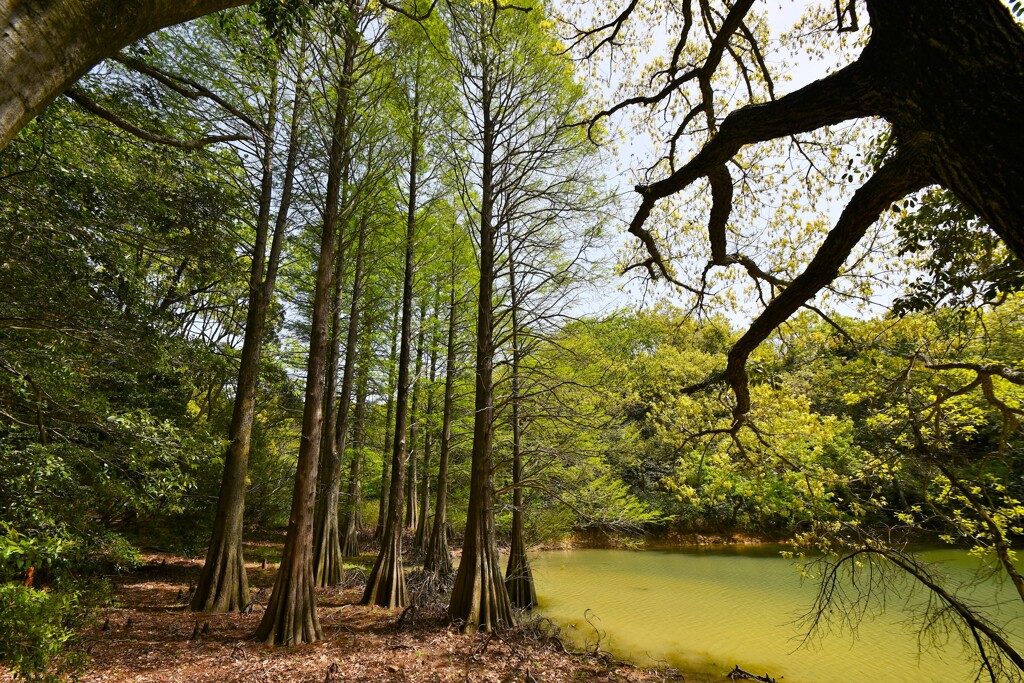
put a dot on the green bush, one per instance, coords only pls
(37, 633)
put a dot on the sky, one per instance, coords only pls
(638, 151)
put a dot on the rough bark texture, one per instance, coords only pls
(291, 617)
(437, 557)
(479, 599)
(385, 585)
(518, 576)
(223, 585)
(46, 45)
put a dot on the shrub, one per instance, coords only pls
(37, 633)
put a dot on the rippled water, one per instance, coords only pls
(707, 610)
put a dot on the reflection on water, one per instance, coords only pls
(707, 610)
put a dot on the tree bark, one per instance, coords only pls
(949, 75)
(47, 45)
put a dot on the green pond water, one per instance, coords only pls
(704, 611)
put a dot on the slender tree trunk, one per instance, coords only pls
(479, 598)
(385, 585)
(419, 541)
(353, 502)
(291, 618)
(438, 558)
(518, 576)
(327, 565)
(411, 504)
(327, 561)
(385, 460)
(223, 585)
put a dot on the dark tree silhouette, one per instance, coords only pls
(945, 74)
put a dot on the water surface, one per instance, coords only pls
(707, 610)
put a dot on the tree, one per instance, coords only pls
(926, 69)
(291, 616)
(222, 585)
(517, 97)
(415, 90)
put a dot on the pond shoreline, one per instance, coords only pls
(670, 539)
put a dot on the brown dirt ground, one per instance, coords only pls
(149, 638)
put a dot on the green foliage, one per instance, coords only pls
(966, 264)
(37, 633)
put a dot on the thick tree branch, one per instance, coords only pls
(46, 45)
(900, 176)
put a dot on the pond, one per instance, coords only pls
(706, 610)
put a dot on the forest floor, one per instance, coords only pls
(150, 635)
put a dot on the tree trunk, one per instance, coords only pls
(438, 558)
(223, 585)
(353, 502)
(385, 461)
(411, 502)
(385, 585)
(47, 45)
(948, 76)
(419, 540)
(327, 560)
(479, 598)
(291, 618)
(518, 576)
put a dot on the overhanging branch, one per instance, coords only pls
(90, 105)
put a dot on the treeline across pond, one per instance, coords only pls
(321, 270)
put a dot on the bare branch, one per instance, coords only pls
(94, 107)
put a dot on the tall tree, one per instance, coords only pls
(437, 557)
(291, 616)
(479, 598)
(416, 83)
(518, 575)
(521, 171)
(222, 585)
